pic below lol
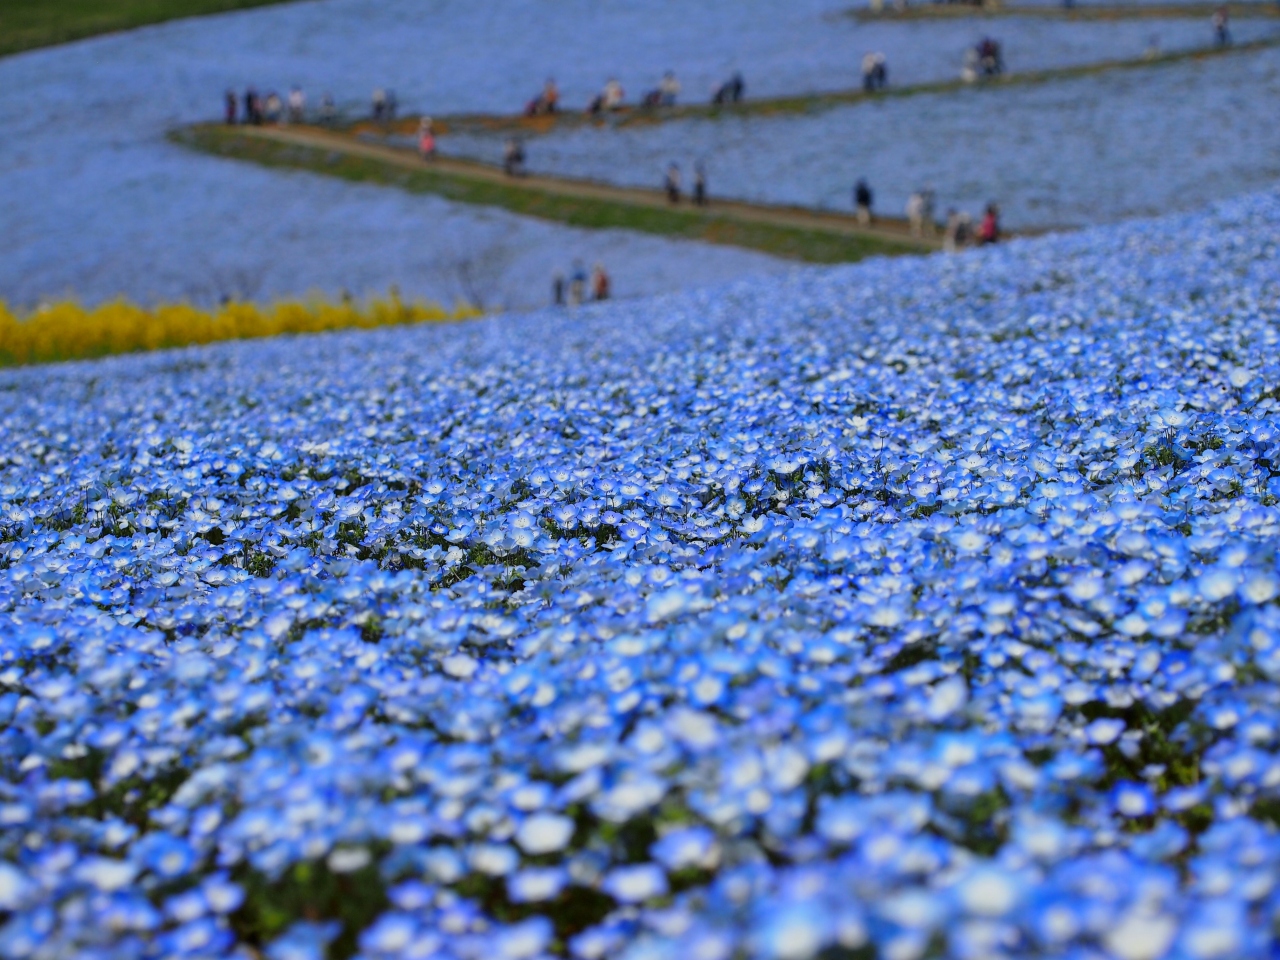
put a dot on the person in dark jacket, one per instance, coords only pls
(862, 200)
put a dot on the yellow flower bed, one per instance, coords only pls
(69, 331)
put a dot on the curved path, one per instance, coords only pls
(325, 145)
(797, 103)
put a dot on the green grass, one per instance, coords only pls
(812, 246)
(28, 24)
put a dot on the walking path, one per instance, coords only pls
(802, 103)
(322, 147)
(1108, 11)
(361, 153)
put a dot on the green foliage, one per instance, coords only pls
(28, 24)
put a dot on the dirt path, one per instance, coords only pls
(800, 103)
(779, 216)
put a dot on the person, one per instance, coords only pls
(737, 89)
(613, 95)
(513, 158)
(1221, 35)
(915, 213)
(868, 72)
(699, 184)
(862, 200)
(274, 107)
(989, 230)
(550, 96)
(252, 107)
(669, 89)
(426, 139)
(599, 283)
(297, 105)
(969, 69)
(596, 106)
(928, 201)
(950, 233)
(880, 71)
(557, 289)
(379, 104)
(577, 284)
(230, 108)
(672, 183)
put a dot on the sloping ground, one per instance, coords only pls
(28, 24)
(922, 606)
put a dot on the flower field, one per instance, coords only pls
(918, 608)
(69, 331)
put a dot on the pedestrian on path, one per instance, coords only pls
(672, 183)
(1221, 19)
(699, 184)
(989, 231)
(513, 158)
(862, 200)
(557, 289)
(577, 284)
(426, 139)
(599, 283)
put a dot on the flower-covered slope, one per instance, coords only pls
(916, 608)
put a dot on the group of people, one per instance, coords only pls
(545, 103)
(580, 288)
(664, 95)
(731, 91)
(875, 72)
(672, 182)
(984, 59)
(272, 109)
(958, 232)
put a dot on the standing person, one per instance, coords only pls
(862, 200)
(737, 88)
(699, 184)
(251, 106)
(669, 89)
(513, 158)
(297, 105)
(1221, 35)
(426, 139)
(379, 104)
(989, 230)
(599, 283)
(550, 96)
(230, 108)
(672, 183)
(868, 72)
(275, 108)
(557, 289)
(951, 233)
(613, 95)
(915, 213)
(577, 284)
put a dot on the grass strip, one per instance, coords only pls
(30, 24)
(806, 102)
(811, 246)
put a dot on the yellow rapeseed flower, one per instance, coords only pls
(69, 331)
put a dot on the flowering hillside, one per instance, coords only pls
(918, 608)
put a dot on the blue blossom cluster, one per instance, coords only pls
(919, 608)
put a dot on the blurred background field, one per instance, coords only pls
(28, 24)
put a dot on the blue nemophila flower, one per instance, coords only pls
(878, 649)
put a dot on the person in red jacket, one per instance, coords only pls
(989, 231)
